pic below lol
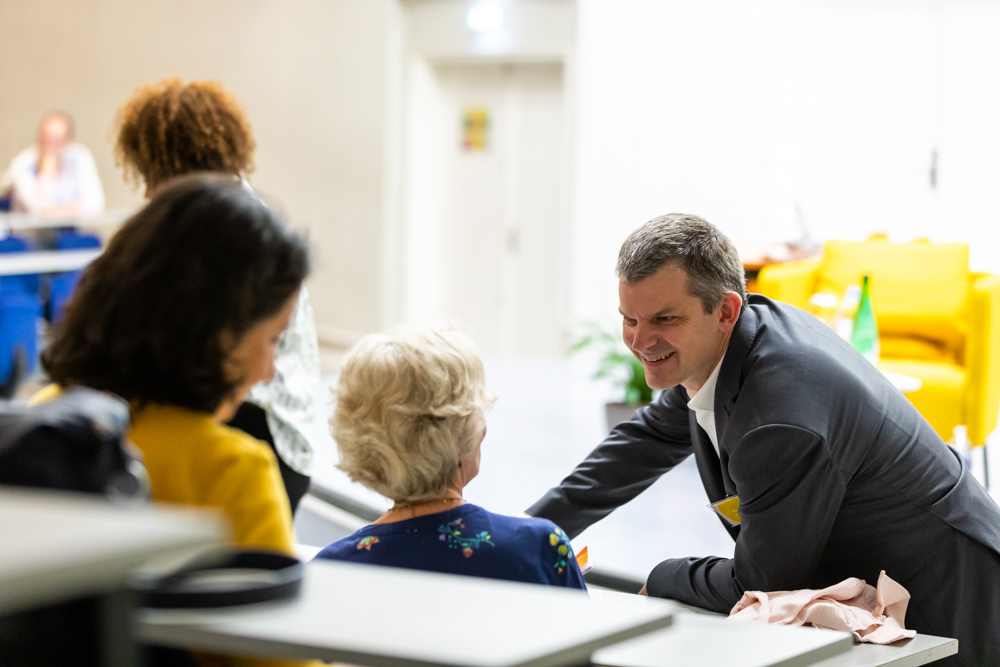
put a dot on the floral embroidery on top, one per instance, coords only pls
(367, 542)
(559, 540)
(451, 533)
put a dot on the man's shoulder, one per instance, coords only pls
(791, 341)
(797, 368)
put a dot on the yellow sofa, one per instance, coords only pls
(937, 321)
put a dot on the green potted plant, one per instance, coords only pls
(618, 363)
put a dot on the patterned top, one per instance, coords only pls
(291, 398)
(467, 540)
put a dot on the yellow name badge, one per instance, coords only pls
(728, 509)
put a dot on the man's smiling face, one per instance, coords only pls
(669, 331)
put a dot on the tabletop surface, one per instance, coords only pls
(45, 261)
(390, 617)
(57, 546)
(16, 220)
(687, 642)
(920, 650)
(703, 641)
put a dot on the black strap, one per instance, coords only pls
(255, 577)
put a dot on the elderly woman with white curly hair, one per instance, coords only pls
(409, 424)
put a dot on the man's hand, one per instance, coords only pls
(643, 591)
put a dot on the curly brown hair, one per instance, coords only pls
(170, 129)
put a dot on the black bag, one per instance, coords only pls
(75, 442)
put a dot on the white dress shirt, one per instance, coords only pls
(703, 404)
(76, 182)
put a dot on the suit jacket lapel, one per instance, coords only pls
(727, 388)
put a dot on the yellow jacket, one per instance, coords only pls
(192, 460)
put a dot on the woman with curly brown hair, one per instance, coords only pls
(170, 129)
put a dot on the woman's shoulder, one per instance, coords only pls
(350, 547)
(523, 524)
(527, 533)
(538, 545)
(182, 427)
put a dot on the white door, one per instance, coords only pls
(484, 207)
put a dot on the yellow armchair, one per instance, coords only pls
(937, 321)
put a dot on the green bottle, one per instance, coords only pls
(864, 334)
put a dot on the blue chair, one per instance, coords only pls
(60, 290)
(13, 244)
(19, 313)
(73, 240)
(61, 286)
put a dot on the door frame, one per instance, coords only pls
(411, 49)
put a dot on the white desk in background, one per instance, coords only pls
(51, 261)
(61, 547)
(11, 221)
(45, 261)
(390, 617)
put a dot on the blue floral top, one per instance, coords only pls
(467, 540)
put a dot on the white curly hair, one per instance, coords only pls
(409, 407)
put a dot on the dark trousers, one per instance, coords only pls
(252, 419)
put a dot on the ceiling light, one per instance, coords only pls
(485, 17)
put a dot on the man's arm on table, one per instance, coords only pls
(629, 460)
(790, 493)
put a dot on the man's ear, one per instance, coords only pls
(729, 311)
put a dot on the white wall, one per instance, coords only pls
(312, 74)
(736, 111)
(741, 112)
(970, 130)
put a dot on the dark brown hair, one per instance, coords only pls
(203, 259)
(170, 128)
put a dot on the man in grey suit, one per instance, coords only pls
(836, 473)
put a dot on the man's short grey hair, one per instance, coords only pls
(707, 256)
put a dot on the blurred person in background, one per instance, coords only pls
(170, 129)
(409, 425)
(56, 179)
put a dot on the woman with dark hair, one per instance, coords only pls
(170, 129)
(180, 316)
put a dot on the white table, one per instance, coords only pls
(703, 641)
(58, 546)
(67, 559)
(45, 261)
(111, 217)
(920, 650)
(752, 644)
(390, 617)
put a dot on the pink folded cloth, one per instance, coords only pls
(874, 615)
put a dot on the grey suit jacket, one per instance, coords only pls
(838, 476)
